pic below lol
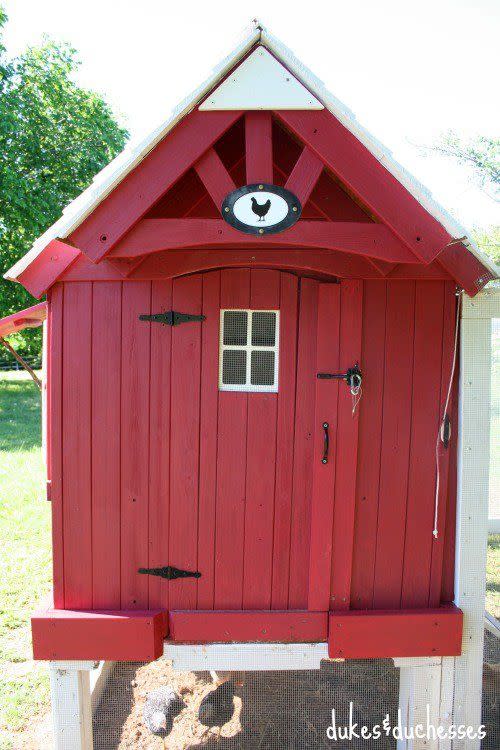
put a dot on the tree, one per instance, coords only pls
(54, 137)
(482, 155)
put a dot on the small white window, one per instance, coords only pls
(248, 358)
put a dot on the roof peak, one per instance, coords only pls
(109, 177)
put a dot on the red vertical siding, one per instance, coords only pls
(285, 440)
(231, 451)
(327, 358)
(106, 465)
(351, 318)
(303, 446)
(370, 438)
(76, 445)
(429, 299)
(136, 334)
(141, 438)
(209, 394)
(395, 450)
(159, 444)
(54, 405)
(261, 467)
(184, 445)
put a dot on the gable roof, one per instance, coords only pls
(109, 177)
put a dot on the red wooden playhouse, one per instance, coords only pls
(251, 342)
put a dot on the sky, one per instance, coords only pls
(409, 71)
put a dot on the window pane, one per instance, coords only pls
(234, 367)
(263, 329)
(235, 327)
(262, 371)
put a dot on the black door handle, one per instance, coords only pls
(326, 443)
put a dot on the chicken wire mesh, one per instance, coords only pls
(270, 710)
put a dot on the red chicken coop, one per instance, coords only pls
(252, 385)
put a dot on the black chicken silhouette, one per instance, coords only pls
(261, 210)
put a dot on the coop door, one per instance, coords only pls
(248, 510)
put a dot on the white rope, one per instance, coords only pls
(442, 426)
(356, 393)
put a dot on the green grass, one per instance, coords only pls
(493, 576)
(25, 556)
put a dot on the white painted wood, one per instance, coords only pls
(71, 705)
(472, 512)
(446, 698)
(260, 82)
(106, 180)
(245, 656)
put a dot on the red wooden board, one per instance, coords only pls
(135, 379)
(300, 525)
(255, 626)
(110, 635)
(76, 446)
(106, 463)
(323, 489)
(159, 445)
(388, 634)
(55, 300)
(351, 315)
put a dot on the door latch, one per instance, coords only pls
(352, 377)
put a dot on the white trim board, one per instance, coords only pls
(245, 656)
(260, 82)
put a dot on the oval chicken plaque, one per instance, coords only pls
(261, 209)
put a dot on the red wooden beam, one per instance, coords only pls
(304, 175)
(42, 272)
(381, 634)
(359, 238)
(170, 263)
(117, 635)
(31, 317)
(214, 175)
(150, 179)
(259, 147)
(368, 180)
(263, 626)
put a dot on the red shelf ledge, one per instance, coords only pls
(364, 634)
(251, 626)
(111, 635)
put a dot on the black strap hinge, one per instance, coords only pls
(169, 572)
(172, 318)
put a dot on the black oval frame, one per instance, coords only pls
(291, 200)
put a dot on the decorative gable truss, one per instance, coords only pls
(163, 217)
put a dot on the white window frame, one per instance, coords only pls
(248, 387)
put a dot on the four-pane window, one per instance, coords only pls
(249, 350)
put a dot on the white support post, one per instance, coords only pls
(452, 686)
(419, 688)
(472, 500)
(71, 704)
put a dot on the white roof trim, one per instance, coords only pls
(107, 179)
(260, 82)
